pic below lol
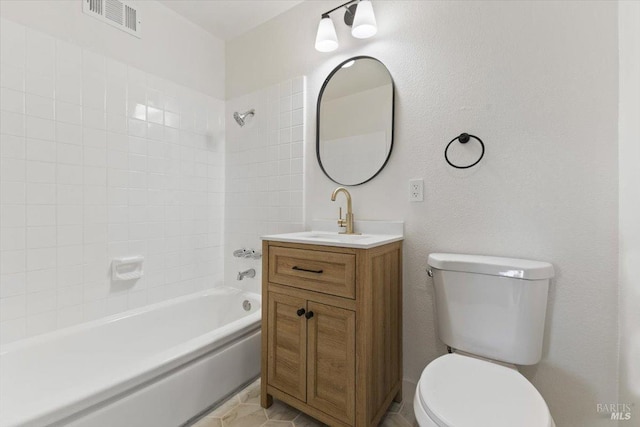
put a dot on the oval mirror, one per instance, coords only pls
(354, 127)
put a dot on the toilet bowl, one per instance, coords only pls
(491, 312)
(462, 391)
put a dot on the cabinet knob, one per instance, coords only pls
(309, 314)
(300, 311)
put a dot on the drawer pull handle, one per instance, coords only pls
(295, 267)
(309, 314)
(300, 312)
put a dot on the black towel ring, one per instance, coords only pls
(464, 138)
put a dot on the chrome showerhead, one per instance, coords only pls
(240, 117)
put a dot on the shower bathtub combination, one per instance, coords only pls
(159, 365)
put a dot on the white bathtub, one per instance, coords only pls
(159, 365)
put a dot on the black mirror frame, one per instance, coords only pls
(393, 108)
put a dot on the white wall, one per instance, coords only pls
(538, 81)
(264, 173)
(171, 47)
(629, 158)
(100, 159)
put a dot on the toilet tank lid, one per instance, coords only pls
(495, 266)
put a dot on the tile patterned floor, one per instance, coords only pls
(244, 410)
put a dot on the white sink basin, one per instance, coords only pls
(325, 238)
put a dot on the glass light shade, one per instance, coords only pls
(364, 23)
(326, 38)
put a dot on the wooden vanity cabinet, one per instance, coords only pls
(332, 330)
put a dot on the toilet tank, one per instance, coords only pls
(491, 307)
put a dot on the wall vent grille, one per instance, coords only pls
(95, 6)
(114, 11)
(131, 20)
(119, 14)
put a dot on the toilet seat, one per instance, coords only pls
(462, 391)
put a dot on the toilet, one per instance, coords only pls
(491, 313)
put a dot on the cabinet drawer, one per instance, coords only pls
(326, 272)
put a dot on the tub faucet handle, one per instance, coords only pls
(247, 253)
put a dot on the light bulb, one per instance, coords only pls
(326, 38)
(364, 23)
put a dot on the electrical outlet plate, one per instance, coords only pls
(416, 190)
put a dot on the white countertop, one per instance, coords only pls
(383, 232)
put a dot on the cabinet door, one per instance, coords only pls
(286, 345)
(331, 343)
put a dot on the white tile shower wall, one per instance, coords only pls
(264, 173)
(100, 160)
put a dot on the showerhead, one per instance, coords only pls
(240, 117)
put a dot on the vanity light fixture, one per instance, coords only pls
(364, 23)
(358, 15)
(326, 39)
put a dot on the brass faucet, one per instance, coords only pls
(348, 221)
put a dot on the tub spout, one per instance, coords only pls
(248, 273)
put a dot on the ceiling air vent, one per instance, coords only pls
(117, 13)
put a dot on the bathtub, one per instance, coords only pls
(159, 365)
